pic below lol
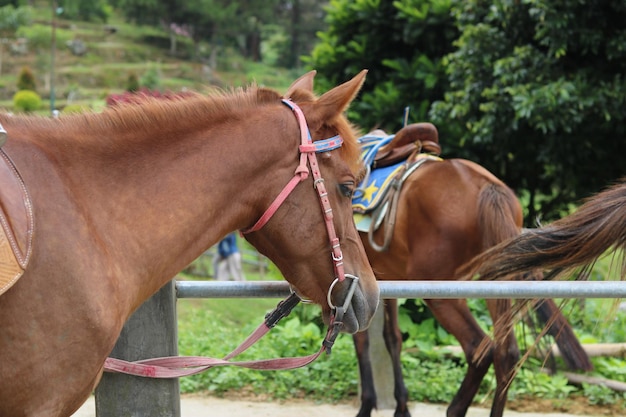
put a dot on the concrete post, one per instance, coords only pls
(150, 332)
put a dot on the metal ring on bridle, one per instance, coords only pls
(303, 300)
(348, 299)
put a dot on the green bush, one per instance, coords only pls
(75, 108)
(26, 101)
(26, 80)
(132, 84)
(151, 79)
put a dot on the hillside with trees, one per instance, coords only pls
(108, 46)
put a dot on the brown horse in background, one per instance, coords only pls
(108, 207)
(575, 241)
(449, 211)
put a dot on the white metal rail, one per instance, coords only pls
(418, 289)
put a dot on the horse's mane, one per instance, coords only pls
(159, 118)
(153, 116)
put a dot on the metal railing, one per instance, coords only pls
(152, 332)
(418, 289)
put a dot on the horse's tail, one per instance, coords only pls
(577, 240)
(496, 214)
(497, 220)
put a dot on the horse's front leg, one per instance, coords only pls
(393, 341)
(368, 392)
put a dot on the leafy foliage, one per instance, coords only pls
(289, 338)
(26, 101)
(401, 43)
(75, 109)
(534, 95)
(532, 90)
(252, 26)
(95, 10)
(12, 18)
(38, 36)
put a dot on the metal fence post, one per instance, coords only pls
(149, 333)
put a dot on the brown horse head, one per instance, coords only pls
(308, 264)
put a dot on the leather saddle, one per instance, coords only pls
(411, 139)
(16, 224)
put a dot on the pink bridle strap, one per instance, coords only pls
(308, 149)
(179, 366)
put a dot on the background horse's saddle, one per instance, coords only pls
(389, 160)
(413, 138)
(16, 224)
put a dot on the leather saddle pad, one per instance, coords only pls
(16, 224)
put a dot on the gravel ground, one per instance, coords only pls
(205, 406)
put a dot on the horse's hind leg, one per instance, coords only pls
(573, 353)
(393, 341)
(368, 392)
(505, 352)
(456, 318)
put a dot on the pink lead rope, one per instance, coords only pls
(177, 366)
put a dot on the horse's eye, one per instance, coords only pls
(347, 188)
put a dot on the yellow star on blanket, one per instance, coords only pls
(369, 192)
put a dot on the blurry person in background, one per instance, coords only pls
(227, 260)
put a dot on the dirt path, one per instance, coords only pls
(205, 406)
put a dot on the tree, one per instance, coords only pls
(199, 20)
(11, 19)
(401, 43)
(301, 20)
(93, 10)
(26, 80)
(537, 95)
(531, 89)
(246, 25)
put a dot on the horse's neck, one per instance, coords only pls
(157, 208)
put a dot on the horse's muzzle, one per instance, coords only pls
(350, 305)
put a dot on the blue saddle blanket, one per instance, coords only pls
(376, 182)
(374, 188)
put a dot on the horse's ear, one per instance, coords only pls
(337, 100)
(305, 82)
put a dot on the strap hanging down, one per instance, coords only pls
(178, 366)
